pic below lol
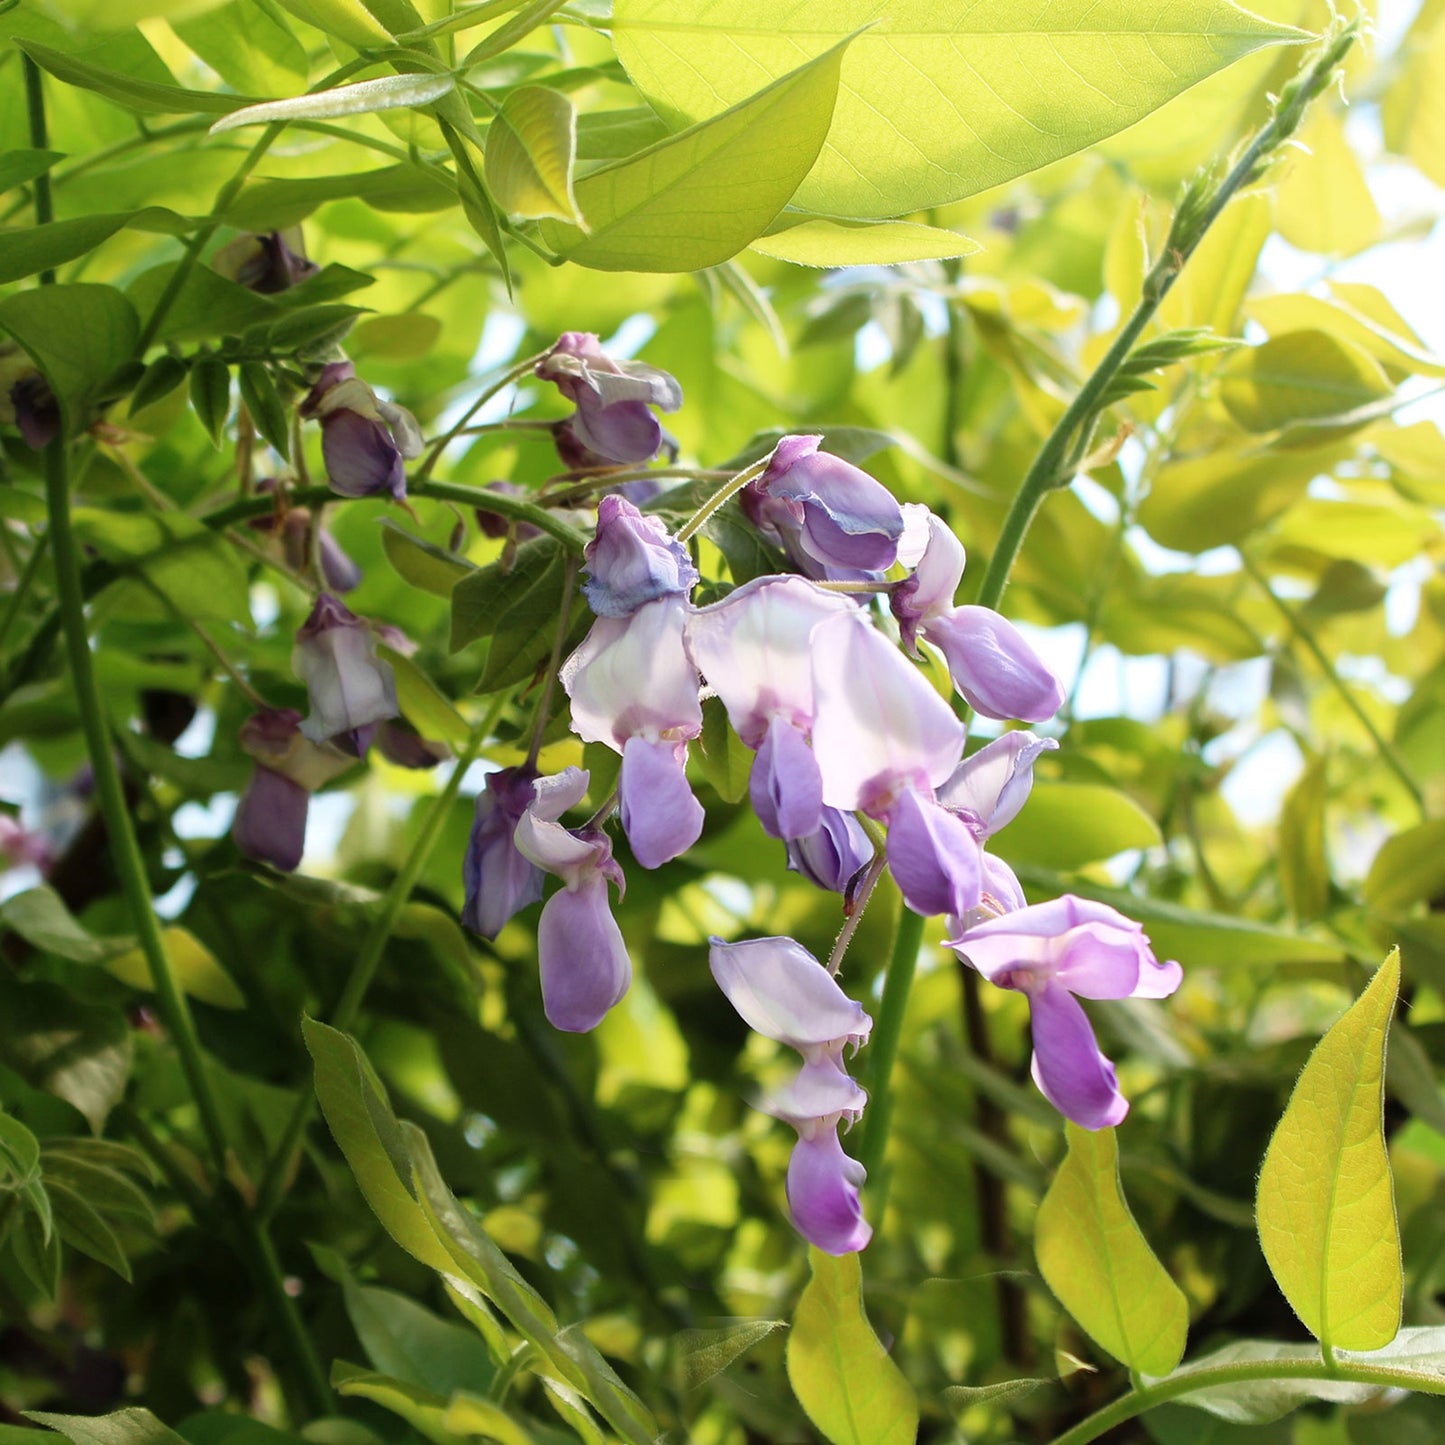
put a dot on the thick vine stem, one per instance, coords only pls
(1198, 210)
(1189, 1381)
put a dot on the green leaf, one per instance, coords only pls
(369, 1136)
(823, 242)
(1099, 1265)
(525, 632)
(726, 760)
(93, 1168)
(37, 1251)
(1304, 874)
(843, 1377)
(407, 336)
(959, 1398)
(120, 14)
(19, 1152)
(479, 600)
(40, 917)
(274, 205)
(347, 20)
(469, 1414)
(30, 249)
(79, 336)
(121, 1427)
(1068, 824)
(422, 563)
(18, 167)
(699, 1355)
(531, 149)
(192, 568)
(366, 97)
(1408, 869)
(1322, 200)
(700, 197)
(249, 46)
(1300, 376)
(404, 1339)
(263, 403)
(421, 704)
(938, 100)
(194, 967)
(424, 1410)
(1326, 1202)
(158, 380)
(149, 97)
(1355, 313)
(207, 306)
(211, 394)
(81, 1227)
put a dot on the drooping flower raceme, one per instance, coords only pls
(500, 881)
(583, 960)
(632, 561)
(350, 687)
(754, 649)
(365, 439)
(634, 689)
(830, 517)
(783, 992)
(1055, 953)
(613, 425)
(992, 665)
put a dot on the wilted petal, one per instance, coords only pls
(999, 674)
(660, 816)
(785, 786)
(584, 963)
(499, 880)
(631, 675)
(632, 560)
(1069, 1069)
(784, 993)
(823, 1185)
(275, 740)
(270, 821)
(991, 787)
(404, 429)
(879, 726)
(834, 855)
(935, 860)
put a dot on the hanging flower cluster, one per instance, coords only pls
(851, 744)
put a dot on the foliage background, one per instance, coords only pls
(1257, 563)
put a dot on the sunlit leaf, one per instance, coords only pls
(1099, 1264)
(1067, 824)
(938, 101)
(1326, 1203)
(1322, 200)
(701, 1354)
(1408, 869)
(1304, 873)
(348, 20)
(852, 1391)
(850, 243)
(366, 97)
(132, 92)
(531, 148)
(1299, 376)
(196, 970)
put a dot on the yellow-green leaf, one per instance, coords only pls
(1409, 869)
(840, 1372)
(388, 92)
(1298, 377)
(1323, 202)
(348, 20)
(1355, 313)
(1413, 106)
(1359, 531)
(1212, 286)
(940, 99)
(531, 149)
(121, 14)
(196, 969)
(1068, 824)
(698, 198)
(468, 1414)
(821, 242)
(1326, 1201)
(1095, 1259)
(1304, 873)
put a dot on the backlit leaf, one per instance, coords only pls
(840, 1372)
(149, 97)
(850, 243)
(195, 968)
(1067, 824)
(1100, 1266)
(531, 147)
(1322, 201)
(938, 100)
(1300, 376)
(1408, 869)
(1326, 1202)
(387, 92)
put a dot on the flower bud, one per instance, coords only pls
(350, 688)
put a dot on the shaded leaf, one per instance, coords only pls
(196, 970)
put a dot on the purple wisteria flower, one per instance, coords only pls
(754, 649)
(270, 821)
(634, 689)
(830, 517)
(1055, 953)
(992, 665)
(782, 992)
(26, 400)
(298, 531)
(500, 881)
(583, 959)
(613, 425)
(21, 847)
(632, 561)
(268, 263)
(833, 856)
(364, 439)
(351, 689)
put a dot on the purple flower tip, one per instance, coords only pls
(632, 560)
(499, 880)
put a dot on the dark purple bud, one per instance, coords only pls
(265, 264)
(833, 856)
(499, 881)
(365, 440)
(493, 524)
(406, 747)
(37, 413)
(632, 561)
(270, 822)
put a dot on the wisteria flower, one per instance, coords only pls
(499, 879)
(350, 687)
(365, 439)
(583, 959)
(268, 263)
(632, 561)
(1055, 953)
(834, 855)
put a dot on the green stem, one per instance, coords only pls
(278, 1171)
(883, 1052)
(513, 373)
(729, 489)
(39, 139)
(1303, 634)
(130, 869)
(1191, 223)
(38, 549)
(1187, 1382)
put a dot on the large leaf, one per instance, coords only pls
(822, 242)
(940, 99)
(29, 249)
(149, 97)
(1301, 376)
(196, 970)
(1326, 1202)
(272, 205)
(78, 336)
(40, 917)
(1409, 869)
(699, 198)
(1069, 824)
(840, 1372)
(531, 148)
(122, 1427)
(1100, 1266)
